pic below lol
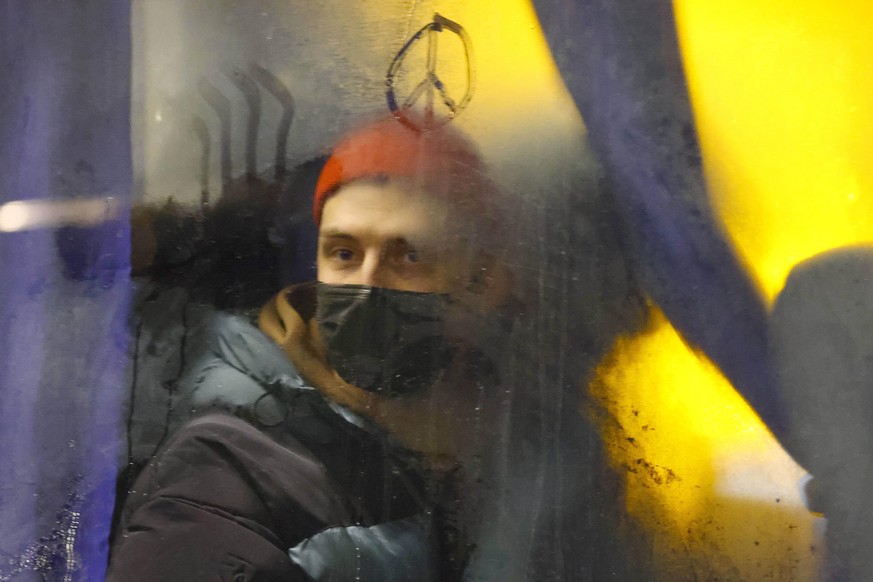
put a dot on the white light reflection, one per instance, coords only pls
(33, 214)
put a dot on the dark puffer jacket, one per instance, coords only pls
(280, 484)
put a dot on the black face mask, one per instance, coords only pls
(383, 340)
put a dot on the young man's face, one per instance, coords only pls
(390, 235)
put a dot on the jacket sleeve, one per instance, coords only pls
(242, 372)
(223, 501)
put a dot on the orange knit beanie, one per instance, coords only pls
(443, 161)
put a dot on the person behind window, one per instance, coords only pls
(360, 410)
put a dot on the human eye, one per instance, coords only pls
(405, 254)
(340, 252)
(343, 254)
(412, 261)
(411, 256)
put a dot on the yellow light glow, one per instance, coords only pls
(703, 476)
(519, 97)
(780, 92)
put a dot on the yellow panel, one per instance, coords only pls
(780, 93)
(710, 486)
(781, 97)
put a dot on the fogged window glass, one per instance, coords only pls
(433, 290)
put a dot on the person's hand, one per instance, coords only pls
(302, 344)
(280, 321)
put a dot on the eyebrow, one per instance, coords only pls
(419, 244)
(335, 233)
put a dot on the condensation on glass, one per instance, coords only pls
(433, 290)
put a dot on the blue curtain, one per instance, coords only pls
(64, 290)
(621, 61)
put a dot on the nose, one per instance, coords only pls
(371, 272)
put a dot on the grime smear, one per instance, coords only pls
(709, 485)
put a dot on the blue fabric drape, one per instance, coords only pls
(64, 134)
(621, 61)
